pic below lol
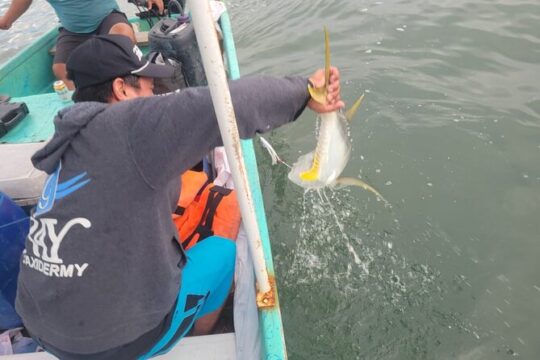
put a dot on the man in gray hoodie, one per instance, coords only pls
(103, 275)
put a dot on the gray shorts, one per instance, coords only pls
(68, 41)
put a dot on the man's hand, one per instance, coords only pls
(4, 23)
(333, 96)
(158, 3)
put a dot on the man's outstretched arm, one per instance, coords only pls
(170, 134)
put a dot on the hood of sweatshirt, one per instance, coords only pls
(68, 123)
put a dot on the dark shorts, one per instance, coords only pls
(68, 41)
(206, 282)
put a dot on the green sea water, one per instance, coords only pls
(449, 133)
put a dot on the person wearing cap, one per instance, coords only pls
(79, 19)
(102, 274)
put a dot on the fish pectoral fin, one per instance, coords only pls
(273, 154)
(350, 113)
(349, 181)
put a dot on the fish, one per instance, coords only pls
(308, 158)
(323, 166)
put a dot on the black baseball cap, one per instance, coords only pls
(105, 57)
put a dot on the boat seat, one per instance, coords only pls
(18, 177)
(140, 36)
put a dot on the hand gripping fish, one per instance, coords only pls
(323, 166)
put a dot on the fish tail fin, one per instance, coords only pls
(313, 173)
(319, 94)
(348, 181)
(326, 58)
(350, 113)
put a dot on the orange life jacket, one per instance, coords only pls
(205, 209)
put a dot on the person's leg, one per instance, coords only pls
(123, 29)
(206, 281)
(66, 43)
(116, 23)
(205, 324)
(60, 72)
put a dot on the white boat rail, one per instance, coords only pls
(205, 31)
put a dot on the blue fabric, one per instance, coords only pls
(206, 281)
(82, 16)
(14, 226)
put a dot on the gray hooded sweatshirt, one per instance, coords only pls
(102, 264)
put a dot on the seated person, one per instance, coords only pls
(103, 275)
(79, 20)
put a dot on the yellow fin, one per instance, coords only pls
(326, 58)
(320, 94)
(313, 173)
(310, 175)
(350, 113)
(346, 181)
